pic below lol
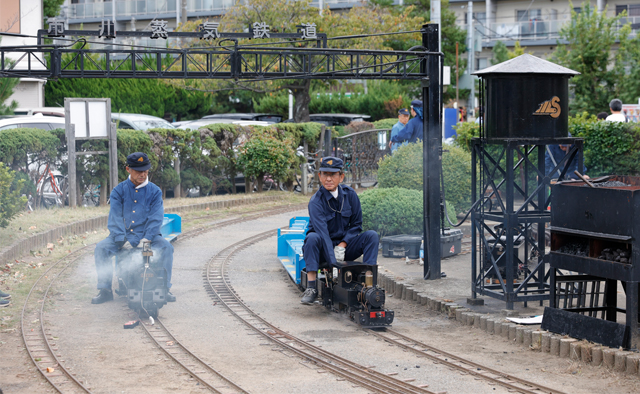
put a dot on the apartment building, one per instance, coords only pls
(534, 23)
(23, 17)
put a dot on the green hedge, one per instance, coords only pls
(390, 211)
(404, 169)
(609, 147)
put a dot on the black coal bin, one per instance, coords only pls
(526, 97)
(595, 235)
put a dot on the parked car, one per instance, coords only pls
(335, 119)
(205, 122)
(46, 111)
(37, 121)
(139, 121)
(270, 118)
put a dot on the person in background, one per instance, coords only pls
(616, 111)
(554, 155)
(602, 116)
(413, 131)
(403, 119)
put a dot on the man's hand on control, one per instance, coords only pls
(339, 251)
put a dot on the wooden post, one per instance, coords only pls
(305, 175)
(177, 188)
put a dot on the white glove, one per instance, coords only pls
(338, 251)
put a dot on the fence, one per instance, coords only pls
(361, 153)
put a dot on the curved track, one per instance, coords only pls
(513, 383)
(42, 348)
(218, 286)
(39, 344)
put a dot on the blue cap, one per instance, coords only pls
(416, 103)
(403, 111)
(330, 164)
(138, 161)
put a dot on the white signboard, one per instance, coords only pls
(91, 117)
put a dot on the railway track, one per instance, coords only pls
(511, 382)
(217, 285)
(41, 346)
(38, 342)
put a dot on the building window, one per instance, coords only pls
(477, 16)
(632, 9)
(481, 63)
(577, 10)
(528, 15)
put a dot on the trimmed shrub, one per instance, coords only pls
(404, 169)
(390, 211)
(394, 211)
(10, 200)
(465, 132)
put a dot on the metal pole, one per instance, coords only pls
(470, 51)
(71, 151)
(305, 174)
(113, 157)
(432, 152)
(435, 18)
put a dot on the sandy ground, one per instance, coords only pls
(109, 359)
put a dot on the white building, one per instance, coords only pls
(23, 17)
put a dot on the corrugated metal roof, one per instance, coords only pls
(526, 64)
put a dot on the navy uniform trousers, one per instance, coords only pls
(108, 247)
(364, 244)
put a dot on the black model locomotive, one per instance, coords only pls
(141, 278)
(350, 288)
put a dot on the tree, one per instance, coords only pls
(10, 200)
(591, 35)
(502, 54)
(265, 154)
(285, 16)
(6, 90)
(51, 8)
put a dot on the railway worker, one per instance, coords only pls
(135, 216)
(335, 227)
(413, 131)
(403, 119)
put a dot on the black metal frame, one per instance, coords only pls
(498, 181)
(361, 153)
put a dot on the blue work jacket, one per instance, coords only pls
(394, 131)
(335, 220)
(135, 213)
(558, 155)
(412, 132)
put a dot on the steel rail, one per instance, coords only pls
(32, 339)
(158, 330)
(513, 383)
(39, 340)
(219, 288)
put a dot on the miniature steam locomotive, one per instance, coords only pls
(351, 288)
(141, 278)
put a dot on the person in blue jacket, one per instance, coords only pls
(403, 119)
(135, 216)
(555, 154)
(413, 131)
(335, 227)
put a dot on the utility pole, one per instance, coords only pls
(436, 18)
(183, 12)
(471, 53)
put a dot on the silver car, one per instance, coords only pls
(139, 122)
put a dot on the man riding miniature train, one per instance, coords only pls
(135, 216)
(335, 227)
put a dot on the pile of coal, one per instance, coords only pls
(610, 184)
(575, 248)
(619, 255)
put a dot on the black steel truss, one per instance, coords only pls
(225, 62)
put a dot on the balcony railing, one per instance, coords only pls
(535, 29)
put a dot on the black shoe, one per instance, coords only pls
(4, 296)
(4, 303)
(309, 296)
(170, 297)
(104, 296)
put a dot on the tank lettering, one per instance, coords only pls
(549, 107)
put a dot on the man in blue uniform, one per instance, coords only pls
(135, 216)
(335, 227)
(413, 131)
(403, 119)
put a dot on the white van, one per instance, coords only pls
(46, 111)
(35, 122)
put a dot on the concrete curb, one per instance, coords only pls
(37, 241)
(619, 361)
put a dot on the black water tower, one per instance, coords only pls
(526, 97)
